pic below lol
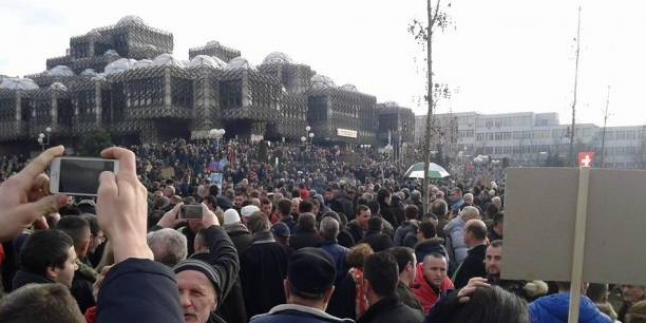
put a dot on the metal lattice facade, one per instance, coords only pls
(122, 79)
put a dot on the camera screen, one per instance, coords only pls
(82, 176)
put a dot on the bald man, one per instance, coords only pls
(475, 237)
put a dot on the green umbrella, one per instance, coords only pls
(435, 171)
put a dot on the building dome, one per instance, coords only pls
(167, 60)
(88, 72)
(120, 65)
(319, 82)
(60, 70)
(239, 62)
(94, 33)
(213, 43)
(111, 52)
(130, 20)
(277, 58)
(206, 61)
(143, 63)
(98, 77)
(58, 86)
(14, 83)
(349, 87)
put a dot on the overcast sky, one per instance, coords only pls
(498, 56)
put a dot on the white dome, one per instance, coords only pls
(88, 72)
(111, 52)
(60, 70)
(209, 61)
(99, 77)
(14, 83)
(130, 20)
(277, 58)
(143, 63)
(349, 87)
(318, 82)
(239, 62)
(120, 65)
(167, 60)
(186, 62)
(58, 86)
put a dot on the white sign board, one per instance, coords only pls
(539, 225)
(346, 133)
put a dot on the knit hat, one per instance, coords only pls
(311, 272)
(231, 216)
(249, 210)
(280, 229)
(202, 267)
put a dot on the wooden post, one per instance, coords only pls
(579, 244)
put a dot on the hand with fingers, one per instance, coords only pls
(25, 198)
(170, 220)
(122, 207)
(208, 217)
(464, 295)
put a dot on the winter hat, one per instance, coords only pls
(311, 272)
(202, 267)
(249, 210)
(231, 216)
(280, 229)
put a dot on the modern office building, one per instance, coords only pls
(529, 138)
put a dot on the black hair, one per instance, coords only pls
(411, 212)
(403, 255)
(428, 229)
(362, 208)
(93, 222)
(284, 206)
(214, 190)
(305, 207)
(44, 249)
(74, 226)
(375, 223)
(491, 305)
(382, 194)
(374, 207)
(382, 271)
(498, 218)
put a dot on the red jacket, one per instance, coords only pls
(423, 291)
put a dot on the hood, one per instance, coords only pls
(556, 306)
(236, 228)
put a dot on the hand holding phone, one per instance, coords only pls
(190, 212)
(79, 176)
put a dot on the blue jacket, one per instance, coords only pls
(292, 313)
(139, 290)
(554, 309)
(339, 253)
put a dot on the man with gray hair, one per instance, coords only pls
(468, 199)
(168, 246)
(329, 230)
(454, 233)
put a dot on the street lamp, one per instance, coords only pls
(43, 138)
(217, 134)
(311, 135)
(308, 128)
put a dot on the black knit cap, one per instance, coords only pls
(203, 267)
(311, 272)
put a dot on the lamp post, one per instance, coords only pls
(311, 135)
(217, 134)
(43, 138)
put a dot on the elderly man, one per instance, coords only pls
(475, 237)
(454, 231)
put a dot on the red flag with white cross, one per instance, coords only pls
(585, 159)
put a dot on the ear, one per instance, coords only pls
(52, 272)
(327, 295)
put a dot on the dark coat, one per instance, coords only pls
(223, 257)
(343, 300)
(23, 278)
(133, 280)
(240, 236)
(473, 266)
(387, 214)
(292, 313)
(82, 290)
(407, 297)
(345, 238)
(302, 239)
(378, 241)
(263, 269)
(389, 310)
(356, 231)
(403, 230)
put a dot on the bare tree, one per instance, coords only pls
(603, 133)
(435, 18)
(571, 160)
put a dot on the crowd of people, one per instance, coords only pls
(290, 234)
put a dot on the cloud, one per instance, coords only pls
(31, 13)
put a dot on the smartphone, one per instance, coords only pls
(190, 212)
(79, 176)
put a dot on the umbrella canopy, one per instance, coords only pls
(435, 171)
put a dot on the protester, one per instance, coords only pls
(493, 264)
(455, 230)
(168, 246)
(375, 237)
(475, 236)
(84, 276)
(407, 264)
(306, 235)
(431, 280)
(329, 232)
(631, 294)
(308, 288)
(45, 303)
(349, 300)
(554, 308)
(381, 277)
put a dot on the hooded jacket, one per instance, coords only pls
(554, 309)
(426, 294)
(240, 236)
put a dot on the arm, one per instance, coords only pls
(222, 256)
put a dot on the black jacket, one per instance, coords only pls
(240, 236)
(345, 238)
(355, 230)
(262, 271)
(139, 290)
(391, 310)
(408, 298)
(223, 257)
(343, 301)
(302, 239)
(473, 266)
(23, 278)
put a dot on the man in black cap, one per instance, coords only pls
(308, 288)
